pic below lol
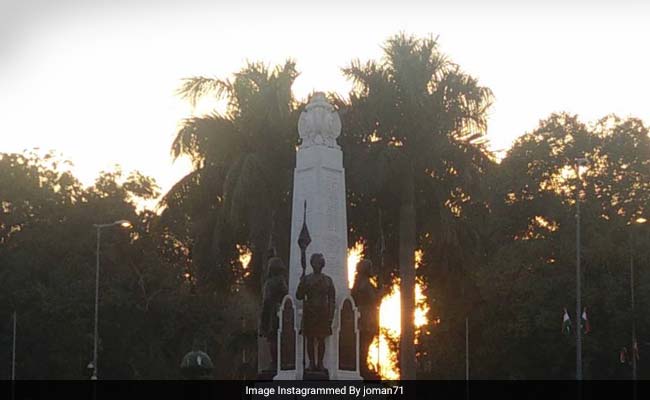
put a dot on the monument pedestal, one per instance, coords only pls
(266, 375)
(316, 375)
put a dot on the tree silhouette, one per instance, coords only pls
(241, 181)
(422, 122)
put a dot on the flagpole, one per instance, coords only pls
(466, 348)
(635, 348)
(467, 356)
(13, 352)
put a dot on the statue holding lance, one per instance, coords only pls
(318, 294)
(303, 241)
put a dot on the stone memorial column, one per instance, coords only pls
(319, 182)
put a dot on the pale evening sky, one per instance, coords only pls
(95, 80)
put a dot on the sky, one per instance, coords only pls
(95, 80)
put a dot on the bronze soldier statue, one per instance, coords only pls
(317, 291)
(367, 298)
(275, 288)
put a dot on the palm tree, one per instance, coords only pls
(422, 123)
(242, 159)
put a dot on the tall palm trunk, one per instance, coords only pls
(407, 276)
(260, 222)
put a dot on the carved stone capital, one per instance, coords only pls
(319, 124)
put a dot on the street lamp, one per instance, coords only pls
(124, 224)
(580, 162)
(635, 348)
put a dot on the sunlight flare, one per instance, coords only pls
(354, 256)
(245, 256)
(382, 354)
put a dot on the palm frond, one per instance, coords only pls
(180, 189)
(204, 138)
(194, 88)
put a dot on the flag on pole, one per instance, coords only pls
(566, 323)
(586, 326)
(635, 349)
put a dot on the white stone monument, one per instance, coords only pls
(319, 182)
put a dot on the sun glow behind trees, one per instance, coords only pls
(382, 355)
(245, 255)
(354, 256)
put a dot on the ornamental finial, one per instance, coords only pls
(319, 124)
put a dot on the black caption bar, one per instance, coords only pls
(342, 390)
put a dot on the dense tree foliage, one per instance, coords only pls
(498, 237)
(149, 316)
(239, 189)
(529, 273)
(420, 124)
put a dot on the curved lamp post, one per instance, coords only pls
(579, 162)
(638, 221)
(124, 224)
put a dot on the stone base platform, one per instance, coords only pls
(312, 375)
(266, 375)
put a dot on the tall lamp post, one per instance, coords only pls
(580, 162)
(635, 347)
(125, 224)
